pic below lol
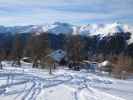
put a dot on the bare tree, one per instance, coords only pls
(39, 48)
(17, 50)
(2, 57)
(33, 47)
(74, 48)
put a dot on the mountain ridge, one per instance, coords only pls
(57, 28)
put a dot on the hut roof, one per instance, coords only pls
(87, 61)
(57, 55)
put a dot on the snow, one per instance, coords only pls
(65, 28)
(91, 29)
(130, 41)
(27, 83)
(105, 63)
(58, 28)
(104, 29)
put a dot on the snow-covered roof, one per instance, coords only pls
(58, 55)
(105, 63)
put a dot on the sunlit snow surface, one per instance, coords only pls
(36, 84)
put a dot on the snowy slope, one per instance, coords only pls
(36, 84)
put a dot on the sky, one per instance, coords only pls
(29, 12)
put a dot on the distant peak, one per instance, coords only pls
(117, 23)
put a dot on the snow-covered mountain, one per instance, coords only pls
(18, 29)
(56, 28)
(99, 36)
(65, 28)
(104, 29)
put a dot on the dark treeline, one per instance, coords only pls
(37, 47)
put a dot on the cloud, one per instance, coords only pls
(22, 12)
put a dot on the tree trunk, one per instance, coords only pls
(54, 66)
(35, 63)
(50, 69)
(16, 62)
(1, 67)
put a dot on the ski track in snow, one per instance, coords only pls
(38, 84)
(32, 85)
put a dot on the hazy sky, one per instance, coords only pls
(23, 12)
